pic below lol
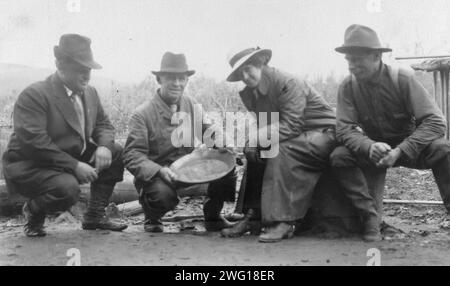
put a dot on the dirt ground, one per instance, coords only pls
(422, 238)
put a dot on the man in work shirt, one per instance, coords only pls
(149, 150)
(385, 118)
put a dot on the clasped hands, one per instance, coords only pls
(383, 156)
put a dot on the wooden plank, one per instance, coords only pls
(134, 208)
(123, 192)
(130, 208)
(415, 202)
(421, 57)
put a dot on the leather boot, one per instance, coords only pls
(218, 225)
(95, 217)
(372, 229)
(277, 232)
(151, 225)
(34, 226)
(214, 221)
(249, 223)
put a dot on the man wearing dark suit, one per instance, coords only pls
(63, 138)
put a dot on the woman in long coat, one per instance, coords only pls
(279, 188)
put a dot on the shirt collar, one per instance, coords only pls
(68, 91)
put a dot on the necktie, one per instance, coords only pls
(78, 105)
(173, 108)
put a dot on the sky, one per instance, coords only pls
(129, 37)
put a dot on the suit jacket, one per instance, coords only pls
(47, 132)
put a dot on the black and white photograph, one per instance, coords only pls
(226, 133)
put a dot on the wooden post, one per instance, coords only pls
(446, 95)
(437, 95)
(440, 66)
(441, 95)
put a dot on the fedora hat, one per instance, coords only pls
(174, 63)
(358, 37)
(78, 48)
(239, 59)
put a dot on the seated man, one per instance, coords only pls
(149, 150)
(385, 118)
(62, 137)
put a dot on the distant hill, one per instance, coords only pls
(14, 78)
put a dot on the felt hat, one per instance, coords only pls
(174, 63)
(77, 48)
(360, 38)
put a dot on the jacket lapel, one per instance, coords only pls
(64, 104)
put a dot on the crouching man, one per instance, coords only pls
(63, 138)
(150, 150)
(385, 118)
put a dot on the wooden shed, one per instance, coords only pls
(440, 67)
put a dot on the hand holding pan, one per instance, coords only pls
(203, 165)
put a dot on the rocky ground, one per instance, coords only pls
(419, 236)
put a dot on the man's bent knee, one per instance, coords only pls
(67, 188)
(440, 143)
(114, 173)
(117, 152)
(438, 150)
(342, 157)
(160, 195)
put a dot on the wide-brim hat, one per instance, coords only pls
(361, 38)
(239, 59)
(174, 63)
(77, 48)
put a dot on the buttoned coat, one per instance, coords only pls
(306, 138)
(149, 145)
